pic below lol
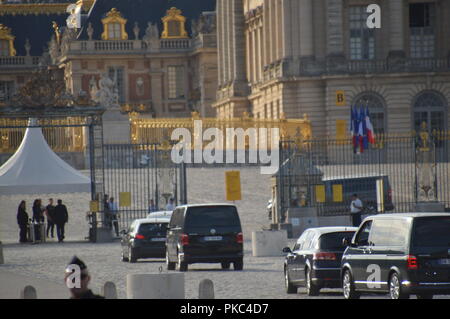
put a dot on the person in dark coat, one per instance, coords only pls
(61, 218)
(82, 291)
(22, 221)
(38, 217)
(50, 213)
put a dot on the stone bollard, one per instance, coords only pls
(206, 289)
(2, 260)
(268, 243)
(155, 286)
(29, 292)
(109, 290)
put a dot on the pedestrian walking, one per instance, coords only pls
(82, 291)
(50, 213)
(356, 207)
(114, 211)
(22, 221)
(106, 213)
(170, 205)
(61, 218)
(152, 207)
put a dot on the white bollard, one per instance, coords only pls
(155, 286)
(206, 289)
(109, 290)
(29, 292)
(268, 243)
(2, 260)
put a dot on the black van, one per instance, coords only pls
(364, 185)
(399, 254)
(204, 234)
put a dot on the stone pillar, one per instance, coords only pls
(206, 289)
(396, 29)
(29, 292)
(287, 29)
(219, 42)
(2, 261)
(306, 29)
(109, 290)
(238, 45)
(155, 286)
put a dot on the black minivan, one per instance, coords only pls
(400, 255)
(204, 234)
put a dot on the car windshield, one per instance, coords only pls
(334, 240)
(212, 216)
(153, 229)
(432, 232)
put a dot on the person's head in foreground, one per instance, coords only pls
(78, 287)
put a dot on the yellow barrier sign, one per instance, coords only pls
(125, 199)
(340, 98)
(233, 185)
(94, 206)
(338, 196)
(320, 194)
(341, 129)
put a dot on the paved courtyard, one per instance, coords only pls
(43, 264)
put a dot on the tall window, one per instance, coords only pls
(173, 28)
(176, 82)
(6, 90)
(4, 48)
(376, 110)
(117, 74)
(430, 108)
(114, 31)
(362, 39)
(422, 17)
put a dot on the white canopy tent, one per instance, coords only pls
(36, 169)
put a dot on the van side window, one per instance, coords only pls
(399, 232)
(302, 239)
(362, 238)
(380, 234)
(177, 218)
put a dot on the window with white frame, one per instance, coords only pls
(422, 17)
(362, 39)
(176, 82)
(114, 31)
(116, 74)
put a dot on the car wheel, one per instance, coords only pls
(181, 265)
(131, 258)
(290, 288)
(425, 296)
(348, 286)
(311, 288)
(170, 265)
(225, 266)
(238, 265)
(395, 288)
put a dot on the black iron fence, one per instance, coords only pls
(393, 175)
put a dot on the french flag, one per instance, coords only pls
(369, 127)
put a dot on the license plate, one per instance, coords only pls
(158, 239)
(444, 261)
(213, 238)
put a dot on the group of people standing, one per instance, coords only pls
(55, 215)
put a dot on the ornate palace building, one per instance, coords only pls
(157, 58)
(319, 57)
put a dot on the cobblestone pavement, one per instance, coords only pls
(261, 278)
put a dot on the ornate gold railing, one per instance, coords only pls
(61, 136)
(159, 130)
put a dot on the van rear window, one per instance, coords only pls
(432, 232)
(212, 216)
(334, 240)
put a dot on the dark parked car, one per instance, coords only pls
(315, 260)
(400, 255)
(205, 234)
(363, 185)
(145, 238)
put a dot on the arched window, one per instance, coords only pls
(430, 108)
(375, 103)
(114, 26)
(174, 25)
